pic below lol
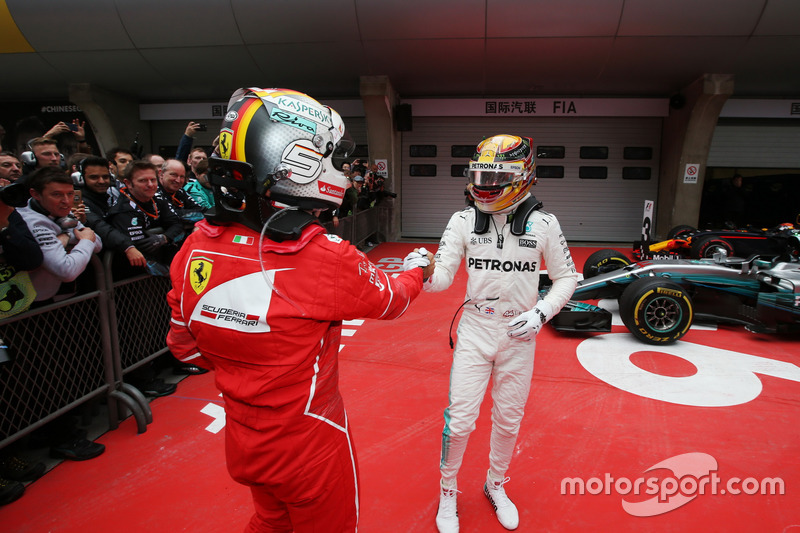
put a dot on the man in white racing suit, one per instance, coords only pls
(506, 239)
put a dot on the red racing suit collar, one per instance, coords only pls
(285, 247)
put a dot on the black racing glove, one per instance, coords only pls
(150, 244)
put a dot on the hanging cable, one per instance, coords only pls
(460, 307)
(264, 271)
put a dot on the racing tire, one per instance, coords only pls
(656, 311)
(679, 232)
(603, 261)
(705, 247)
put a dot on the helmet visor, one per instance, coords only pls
(343, 150)
(488, 178)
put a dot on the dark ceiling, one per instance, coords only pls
(201, 50)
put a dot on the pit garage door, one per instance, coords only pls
(756, 144)
(594, 173)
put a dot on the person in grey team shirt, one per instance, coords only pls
(67, 245)
(505, 237)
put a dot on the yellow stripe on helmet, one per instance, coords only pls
(243, 123)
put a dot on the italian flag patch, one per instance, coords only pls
(242, 239)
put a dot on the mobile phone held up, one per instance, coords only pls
(73, 127)
(77, 199)
(202, 127)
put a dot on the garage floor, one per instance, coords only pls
(618, 436)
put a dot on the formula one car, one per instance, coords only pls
(687, 242)
(660, 299)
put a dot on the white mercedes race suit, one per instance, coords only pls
(503, 283)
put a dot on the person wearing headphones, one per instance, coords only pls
(49, 218)
(43, 153)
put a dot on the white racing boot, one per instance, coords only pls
(504, 508)
(447, 516)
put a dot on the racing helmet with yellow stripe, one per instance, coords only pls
(282, 143)
(501, 172)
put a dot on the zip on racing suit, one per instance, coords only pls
(273, 345)
(503, 270)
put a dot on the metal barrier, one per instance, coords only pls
(65, 354)
(61, 358)
(358, 227)
(139, 318)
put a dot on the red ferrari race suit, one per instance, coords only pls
(273, 344)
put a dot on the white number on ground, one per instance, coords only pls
(723, 377)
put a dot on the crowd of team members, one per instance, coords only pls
(143, 208)
(55, 213)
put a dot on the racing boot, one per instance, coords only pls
(504, 508)
(447, 516)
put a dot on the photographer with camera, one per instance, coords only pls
(185, 152)
(364, 199)
(70, 136)
(380, 190)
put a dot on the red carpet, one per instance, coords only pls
(686, 427)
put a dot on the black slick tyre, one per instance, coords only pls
(705, 247)
(603, 261)
(679, 232)
(656, 311)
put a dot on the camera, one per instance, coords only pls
(73, 127)
(202, 127)
(67, 222)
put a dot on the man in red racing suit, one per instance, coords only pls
(269, 325)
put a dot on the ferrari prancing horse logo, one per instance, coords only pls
(199, 273)
(225, 143)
